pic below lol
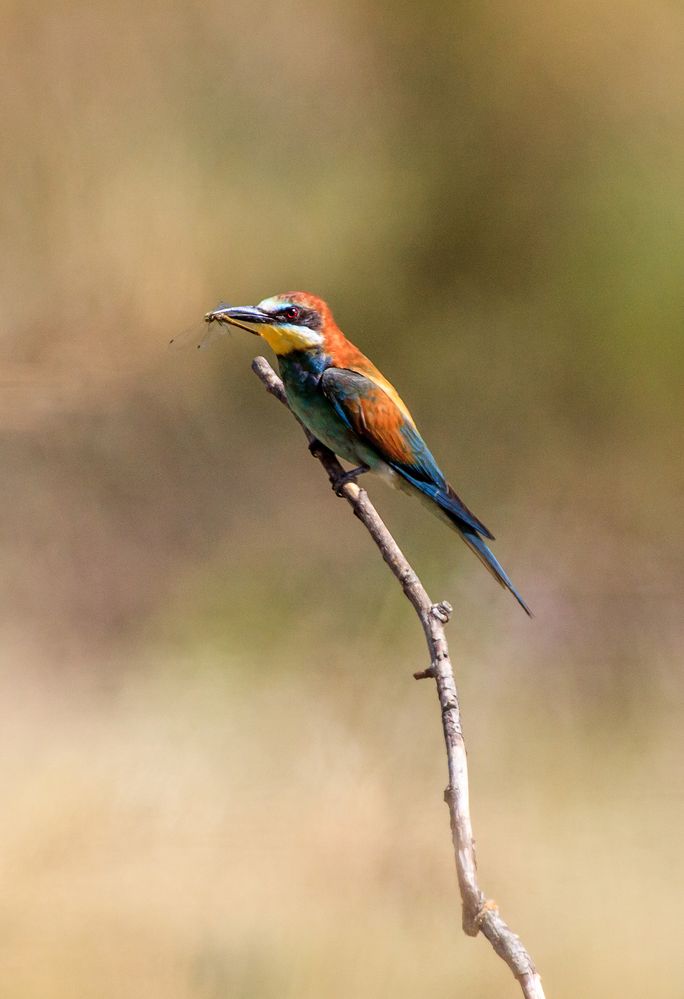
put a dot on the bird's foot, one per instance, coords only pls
(316, 448)
(350, 476)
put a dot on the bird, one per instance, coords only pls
(347, 404)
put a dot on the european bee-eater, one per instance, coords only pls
(342, 398)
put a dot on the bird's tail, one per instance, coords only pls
(491, 563)
(444, 502)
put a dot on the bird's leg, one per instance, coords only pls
(316, 448)
(349, 476)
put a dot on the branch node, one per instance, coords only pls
(480, 916)
(425, 674)
(442, 611)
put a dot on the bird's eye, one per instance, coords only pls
(291, 312)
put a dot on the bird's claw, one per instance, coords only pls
(350, 476)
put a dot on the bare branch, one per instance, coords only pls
(479, 914)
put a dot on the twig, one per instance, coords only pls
(479, 913)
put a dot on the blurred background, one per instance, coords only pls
(217, 776)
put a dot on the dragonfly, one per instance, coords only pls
(202, 335)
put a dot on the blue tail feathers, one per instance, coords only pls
(446, 498)
(490, 562)
(466, 523)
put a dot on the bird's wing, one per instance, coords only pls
(369, 410)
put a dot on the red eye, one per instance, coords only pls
(291, 312)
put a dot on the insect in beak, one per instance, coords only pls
(238, 316)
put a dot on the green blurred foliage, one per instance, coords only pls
(489, 197)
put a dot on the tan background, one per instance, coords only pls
(217, 777)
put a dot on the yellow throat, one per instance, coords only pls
(283, 339)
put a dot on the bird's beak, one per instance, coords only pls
(238, 315)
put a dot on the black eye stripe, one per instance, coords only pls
(289, 312)
(303, 317)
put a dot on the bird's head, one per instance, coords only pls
(293, 321)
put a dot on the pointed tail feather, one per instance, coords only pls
(445, 504)
(490, 562)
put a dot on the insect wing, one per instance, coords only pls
(200, 336)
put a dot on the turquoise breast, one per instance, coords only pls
(301, 373)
